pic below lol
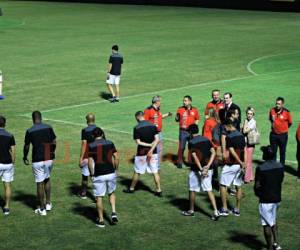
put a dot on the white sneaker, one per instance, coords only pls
(40, 212)
(48, 206)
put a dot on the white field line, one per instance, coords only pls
(249, 65)
(122, 132)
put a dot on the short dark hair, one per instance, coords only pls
(228, 122)
(228, 93)
(139, 113)
(193, 129)
(268, 153)
(215, 90)
(279, 98)
(115, 47)
(2, 121)
(36, 115)
(188, 97)
(98, 132)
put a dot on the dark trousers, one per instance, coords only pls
(298, 158)
(279, 141)
(184, 137)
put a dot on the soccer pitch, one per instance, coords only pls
(54, 56)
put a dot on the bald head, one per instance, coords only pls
(90, 118)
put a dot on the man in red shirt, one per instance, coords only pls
(298, 149)
(216, 103)
(186, 115)
(153, 115)
(281, 120)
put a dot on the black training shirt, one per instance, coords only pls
(116, 60)
(6, 141)
(235, 140)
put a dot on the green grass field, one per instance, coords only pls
(54, 56)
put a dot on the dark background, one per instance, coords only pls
(282, 5)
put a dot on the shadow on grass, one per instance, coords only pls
(29, 200)
(183, 204)
(139, 186)
(74, 190)
(105, 95)
(88, 212)
(248, 240)
(2, 202)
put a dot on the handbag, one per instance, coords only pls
(253, 137)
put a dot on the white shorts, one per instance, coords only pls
(7, 172)
(112, 79)
(267, 213)
(231, 175)
(199, 183)
(42, 170)
(141, 165)
(85, 168)
(104, 183)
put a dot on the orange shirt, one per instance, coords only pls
(187, 117)
(214, 105)
(298, 133)
(281, 121)
(154, 116)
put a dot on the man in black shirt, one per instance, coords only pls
(103, 164)
(43, 140)
(86, 139)
(146, 136)
(114, 72)
(232, 171)
(268, 180)
(7, 161)
(229, 105)
(201, 158)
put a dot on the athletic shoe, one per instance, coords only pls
(48, 206)
(235, 212)
(114, 218)
(158, 194)
(100, 224)
(40, 211)
(117, 99)
(276, 246)
(113, 99)
(82, 195)
(188, 213)
(215, 216)
(179, 165)
(6, 211)
(223, 212)
(128, 191)
(2, 97)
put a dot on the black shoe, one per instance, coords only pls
(114, 218)
(158, 194)
(6, 211)
(179, 165)
(113, 99)
(100, 224)
(128, 191)
(117, 99)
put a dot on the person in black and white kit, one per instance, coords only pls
(7, 161)
(268, 181)
(114, 73)
(86, 139)
(201, 158)
(103, 165)
(43, 140)
(147, 138)
(232, 171)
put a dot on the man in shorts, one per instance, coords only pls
(7, 161)
(201, 159)
(268, 181)
(114, 73)
(86, 139)
(232, 171)
(146, 136)
(103, 165)
(43, 140)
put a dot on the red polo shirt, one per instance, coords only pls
(154, 116)
(214, 105)
(208, 127)
(298, 133)
(187, 117)
(281, 121)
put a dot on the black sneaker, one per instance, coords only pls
(236, 212)
(158, 194)
(114, 218)
(113, 99)
(117, 99)
(128, 191)
(100, 224)
(276, 246)
(6, 211)
(188, 213)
